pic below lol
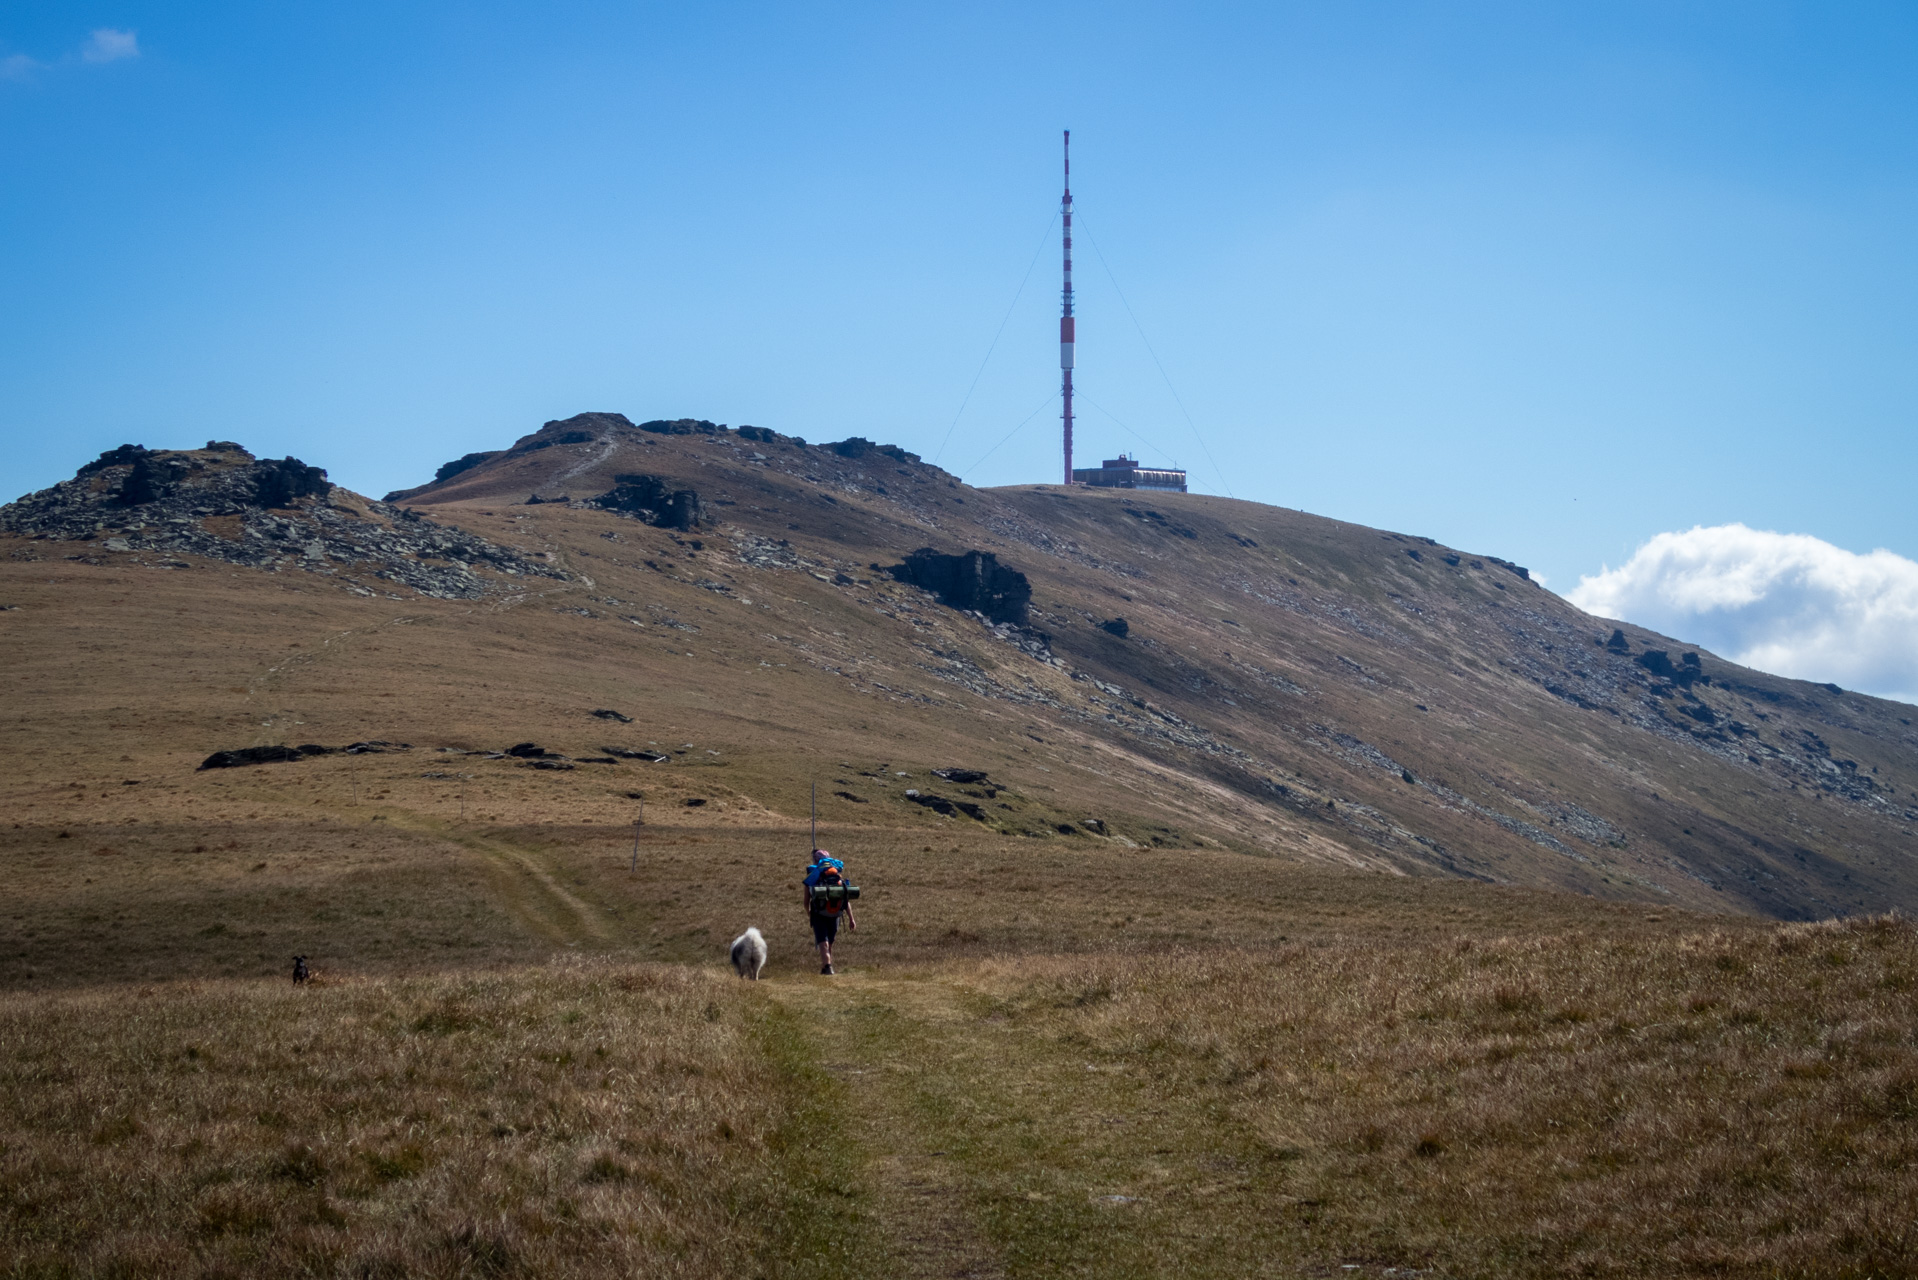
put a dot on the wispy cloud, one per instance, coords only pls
(109, 45)
(105, 44)
(1786, 603)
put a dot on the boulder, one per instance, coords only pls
(974, 581)
(1658, 662)
(250, 755)
(279, 753)
(145, 482)
(279, 484)
(120, 457)
(652, 500)
(939, 804)
(1507, 565)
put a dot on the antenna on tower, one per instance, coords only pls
(1065, 314)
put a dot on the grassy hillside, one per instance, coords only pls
(1286, 684)
(1352, 912)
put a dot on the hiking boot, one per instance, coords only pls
(826, 969)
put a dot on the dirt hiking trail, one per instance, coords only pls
(875, 1035)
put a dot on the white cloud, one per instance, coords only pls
(1786, 603)
(108, 45)
(17, 66)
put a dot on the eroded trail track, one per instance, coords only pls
(993, 1145)
(877, 1037)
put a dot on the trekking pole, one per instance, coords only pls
(637, 824)
(815, 817)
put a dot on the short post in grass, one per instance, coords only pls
(637, 824)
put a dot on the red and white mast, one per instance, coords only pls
(1065, 315)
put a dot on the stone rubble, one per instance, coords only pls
(223, 504)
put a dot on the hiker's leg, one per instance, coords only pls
(824, 929)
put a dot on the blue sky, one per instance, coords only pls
(1537, 280)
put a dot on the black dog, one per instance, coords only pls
(300, 972)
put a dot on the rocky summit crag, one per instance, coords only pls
(222, 503)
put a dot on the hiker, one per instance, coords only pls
(824, 913)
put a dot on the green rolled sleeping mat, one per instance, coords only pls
(835, 892)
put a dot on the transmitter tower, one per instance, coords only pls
(1065, 313)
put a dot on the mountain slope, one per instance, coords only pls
(1135, 668)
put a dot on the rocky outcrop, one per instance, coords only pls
(858, 447)
(282, 483)
(280, 754)
(581, 428)
(652, 500)
(221, 503)
(681, 427)
(765, 435)
(152, 475)
(940, 805)
(975, 582)
(1509, 567)
(1686, 673)
(458, 466)
(464, 463)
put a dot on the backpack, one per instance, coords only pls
(831, 876)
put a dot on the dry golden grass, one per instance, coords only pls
(578, 1119)
(153, 902)
(164, 901)
(1430, 1075)
(1714, 1104)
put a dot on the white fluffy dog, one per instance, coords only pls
(749, 954)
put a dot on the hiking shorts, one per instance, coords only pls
(825, 928)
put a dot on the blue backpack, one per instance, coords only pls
(827, 873)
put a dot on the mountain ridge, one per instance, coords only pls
(1276, 681)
